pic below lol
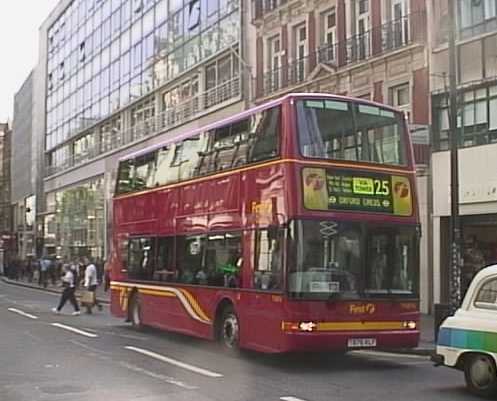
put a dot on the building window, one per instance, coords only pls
(142, 118)
(399, 96)
(137, 5)
(220, 80)
(477, 16)
(399, 35)
(193, 14)
(363, 6)
(299, 53)
(50, 81)
(476, 121)
(275, 54)
(327, 51)
(271, 4)
(62, 72)
(360, 43)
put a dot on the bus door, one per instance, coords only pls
(266, 305)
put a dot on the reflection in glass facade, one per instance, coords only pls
(102, 54)
(75, 225)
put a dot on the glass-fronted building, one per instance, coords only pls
(119, 75)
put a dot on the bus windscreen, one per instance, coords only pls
(344, 130)
(337, 259)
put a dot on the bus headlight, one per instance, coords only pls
(299, 326)
(307, 326)
(411, 325)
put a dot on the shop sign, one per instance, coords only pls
(476, 193)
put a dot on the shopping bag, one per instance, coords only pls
(87, 298)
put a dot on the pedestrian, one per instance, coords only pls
(44, 267)
(29, 269)
(69, 285)
(91, 283)
(53, 269)
(99, 264)
(107, 275)
(74, 267)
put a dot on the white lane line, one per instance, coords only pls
(20, 312)
(74, 330)
(158, 376)
(391, 355)
(290, 398)
(107, 356)
(174, 362)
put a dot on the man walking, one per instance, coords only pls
(44, 268)
(91, 283)
(68, 281)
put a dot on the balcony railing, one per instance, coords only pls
(172, 117)
(385, 38)
(287, 75)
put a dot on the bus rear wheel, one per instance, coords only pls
(480, 374)
(229, 329)
(135, 312)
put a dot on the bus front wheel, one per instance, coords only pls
(229, 330)
(135, 312)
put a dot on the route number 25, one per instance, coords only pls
(381, 187)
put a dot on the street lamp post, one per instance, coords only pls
(455, 229)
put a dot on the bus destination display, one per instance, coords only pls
(331, 189)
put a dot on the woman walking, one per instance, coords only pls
(69, 283)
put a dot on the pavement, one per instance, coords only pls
(48, 357)
(426, 344)
(102, 296)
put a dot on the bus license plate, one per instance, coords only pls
(361, 342)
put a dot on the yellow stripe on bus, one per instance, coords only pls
(158, 293)
(194, 304)
(358, 326)
(191, 306)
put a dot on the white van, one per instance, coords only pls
(468, 340)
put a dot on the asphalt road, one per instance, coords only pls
(47, 357)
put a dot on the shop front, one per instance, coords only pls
(478, 211)
(75, 222)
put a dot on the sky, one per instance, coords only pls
(18, 46)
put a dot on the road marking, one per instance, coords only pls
(159, 376)
(20, 312)
(74, 330)
(107, 356)
(290, 398)
(390, 354)
(127, 336)
(174, 362)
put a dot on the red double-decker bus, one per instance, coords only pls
(290, 226)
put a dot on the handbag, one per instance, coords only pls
(88, 298)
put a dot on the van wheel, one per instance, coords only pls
(229, 329)
(480, 375)
(135, 313)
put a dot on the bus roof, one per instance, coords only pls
(243, 114)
